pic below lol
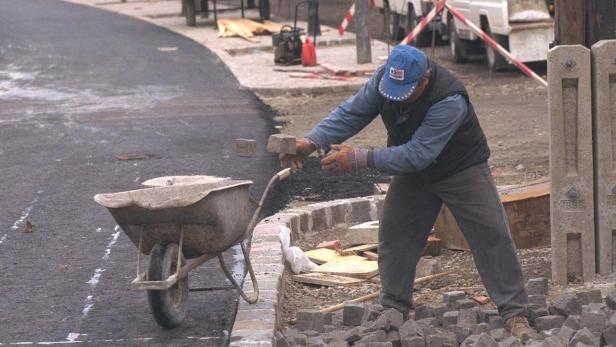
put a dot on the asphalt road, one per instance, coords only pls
(78, 87)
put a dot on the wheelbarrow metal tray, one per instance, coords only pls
(213, 216)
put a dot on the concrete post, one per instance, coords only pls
(571, 164)
(362, 38)
(604, 113)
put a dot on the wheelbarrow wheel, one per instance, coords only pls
(168, 306)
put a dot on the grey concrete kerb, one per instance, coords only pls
(255, 324)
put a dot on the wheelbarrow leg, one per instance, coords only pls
(255, 286)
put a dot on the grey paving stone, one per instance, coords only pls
(337, 344)
(465, 304)
(312, 320)
(537, 300)
(315, 341)
(565, 334)
(485, 340)
(589, 296)
(584, 336)
(281, 341)
(499, 334)
(300, 339)
(594, 320)
(414, 341)
(608, 336)
(374, 336)
(371, 313)
(393, 337)
(536, 312)
(379, 344)
(410, 329)
(567, 305)
(495, 322)
(610, 300)
(246, 147)
(485, 314)
(389, 319)
(352, 314)
(423, 311)
(353, 335)
(450, 318)
(553, 341)
(445, 339)
(462, 333)
(573, 322)
(281, 143)
(468, 317)
(510, 342)
(549, 322)
(480, 328)
(451, 297)
(537, 286)
(439, 310)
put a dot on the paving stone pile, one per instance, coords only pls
(581, 319)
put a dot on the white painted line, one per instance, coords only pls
(135, 340)
(24, 214)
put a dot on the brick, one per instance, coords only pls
(409, 329)
(584, 336)
(537, 286)
(246, 147)
(610, 300)
(549, 322)
(451, 297)
(465, 304)
(352, 314)
(340, 213)
(360, 210)
(589, 296)
(567, 305)
(312, 320)
(414, 341)
(450, 318)
(571, 175)
(364, 233)
(537, 300)
(281, 144)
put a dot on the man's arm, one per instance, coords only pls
(351, 116)
(437, 128)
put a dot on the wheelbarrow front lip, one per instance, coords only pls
(157, 198)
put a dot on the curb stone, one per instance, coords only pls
(256, 324)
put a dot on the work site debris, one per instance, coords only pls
(28, 228)
(335, 245)
(246, 28)
(323, 279)
(448, 325)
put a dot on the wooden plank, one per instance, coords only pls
(362, 248)
(324, 279)
(352, 268)
(370, 255)
(324, 255)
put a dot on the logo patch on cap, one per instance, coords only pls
(396, 74)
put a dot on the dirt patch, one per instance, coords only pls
(535, 263)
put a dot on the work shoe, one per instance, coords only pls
(518, 327)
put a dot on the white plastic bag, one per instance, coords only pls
(294, 256)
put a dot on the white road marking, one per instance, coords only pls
(24, 214)
(135, 340)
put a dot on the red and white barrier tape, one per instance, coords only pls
(349, 15)
(346, 20)
(520, 65)
(440, 5)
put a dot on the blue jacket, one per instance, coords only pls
(439, 125)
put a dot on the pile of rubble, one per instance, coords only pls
(581, 319)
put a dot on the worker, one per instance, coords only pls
(437, 153)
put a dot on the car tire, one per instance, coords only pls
(457, 46)
(496, 62)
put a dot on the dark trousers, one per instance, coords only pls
(411, 207)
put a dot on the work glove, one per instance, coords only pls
(304, 147)
(344, 159)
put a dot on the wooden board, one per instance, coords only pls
(362, 248)
(352, 268)
(324, 255)
(324, 279)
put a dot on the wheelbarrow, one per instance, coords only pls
(181, 224)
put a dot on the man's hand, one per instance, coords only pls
(344, 159)
(296, 161)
